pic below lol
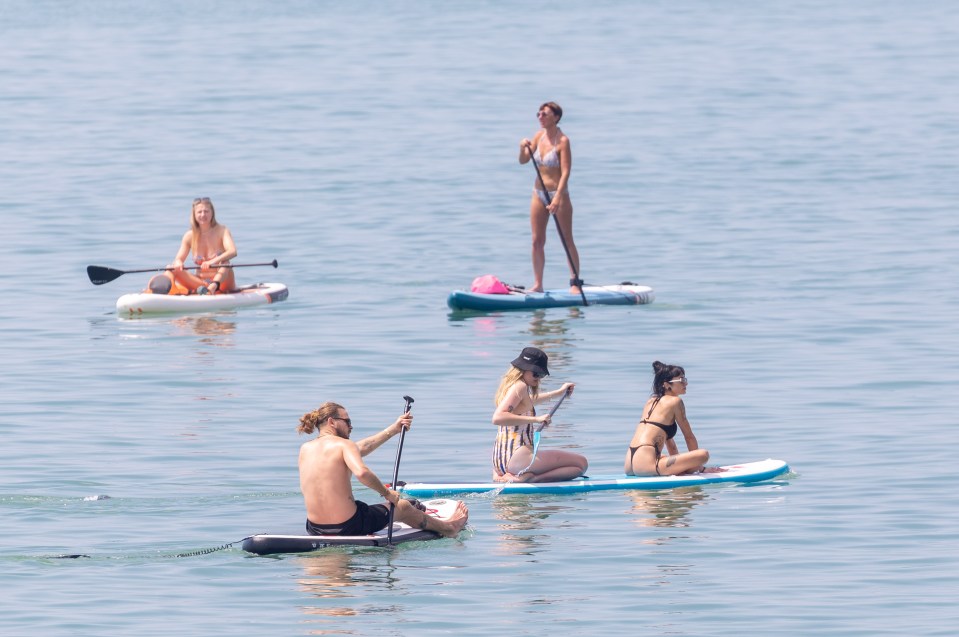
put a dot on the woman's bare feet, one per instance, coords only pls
(509, 477)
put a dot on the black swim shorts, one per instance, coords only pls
(366, 521)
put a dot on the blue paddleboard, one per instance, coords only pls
(737, 473)
(624, 294)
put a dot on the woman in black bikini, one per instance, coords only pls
(664, 413)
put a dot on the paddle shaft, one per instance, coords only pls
(538, 434)
(100, 274)
(559, 228)
(396, 470)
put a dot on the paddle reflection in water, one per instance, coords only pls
(664, 509)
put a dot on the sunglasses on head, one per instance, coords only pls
(201, 200)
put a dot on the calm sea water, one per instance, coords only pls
(783, 176)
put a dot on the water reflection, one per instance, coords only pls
(520, 517)
(338, 583)
(211, 330)
(213, 333)
(550, 332)
(553, 324)
(664, 509)
(328, 576)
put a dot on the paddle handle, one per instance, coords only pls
(399, 449)
(396, 470)
(559, 228)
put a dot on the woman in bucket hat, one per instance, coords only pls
(515, 418)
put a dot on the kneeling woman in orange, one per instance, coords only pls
(664, 413)
(515, 417)
(212, 246)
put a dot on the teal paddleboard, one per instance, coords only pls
(623, 294)
(737, 473)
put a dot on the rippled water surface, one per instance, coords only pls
(783, 176)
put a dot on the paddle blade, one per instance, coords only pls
(99, 274)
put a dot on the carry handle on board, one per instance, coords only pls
(100, 274)
(396, 470)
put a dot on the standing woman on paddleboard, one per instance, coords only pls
(663, 414)
(212, 245)
(549, 149)
(515, 418)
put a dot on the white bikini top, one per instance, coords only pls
(552, 157)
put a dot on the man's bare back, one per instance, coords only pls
(325, 480)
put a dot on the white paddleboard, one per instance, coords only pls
(256, 294)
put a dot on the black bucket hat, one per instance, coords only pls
(532, 359)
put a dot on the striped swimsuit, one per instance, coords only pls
(509, 439)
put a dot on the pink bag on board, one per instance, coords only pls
(488, 284)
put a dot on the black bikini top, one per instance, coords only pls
(669, 430)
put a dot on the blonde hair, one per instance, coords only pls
(512, 376)
(315, 419)
(194, 226)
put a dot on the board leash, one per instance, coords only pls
(197, 553)
(207, 551)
